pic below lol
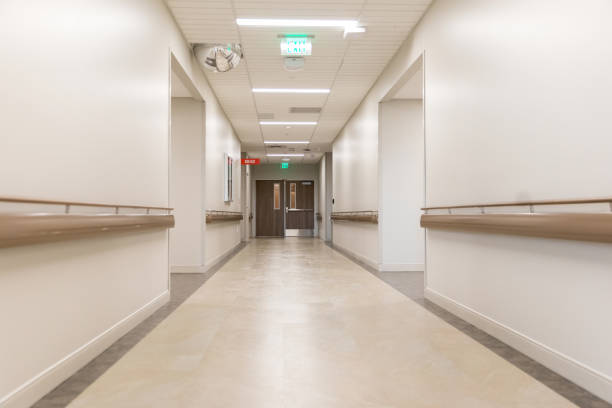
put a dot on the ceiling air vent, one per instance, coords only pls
(275, 146)
(265, 116)
(295, 109)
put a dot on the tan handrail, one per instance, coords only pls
(77, 203)
(23, 229)
(221, 216)
(523, 203)
(572, 226)
(356, 216)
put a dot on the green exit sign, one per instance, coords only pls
(296, 46)
(284, 165)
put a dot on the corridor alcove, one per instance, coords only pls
(187, 139)
(401, 173)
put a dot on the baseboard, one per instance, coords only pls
(401, 267)
(360, 259)
(586, 377)
(187, 269)
(38, 386)
(224, 257)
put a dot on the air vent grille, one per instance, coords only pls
(296, 109)
(265, 116)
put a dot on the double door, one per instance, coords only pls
(284, 208)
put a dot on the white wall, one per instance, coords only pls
(325, 196)
(84, 105)
(329, 195)
(221, 238)
(401, 168)
(187, 185)
(355, 185)
(294, 172)
(517, 107)
(321, 203)
(245, 201)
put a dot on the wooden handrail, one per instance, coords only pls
(23, 229)
(573, 226)
(523, 203)
(76, 203)
(222, 216)
(356, 216)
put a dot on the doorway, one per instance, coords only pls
(186, 178)
(270, 208)
(401, 172)
(299, 219)
(285, 208)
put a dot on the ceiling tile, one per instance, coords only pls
(347, 66)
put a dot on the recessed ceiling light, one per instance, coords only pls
(286, 141)
(287, 123)
(290, 90)
(285, 154)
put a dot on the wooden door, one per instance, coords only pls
(300, 207)
(269, 208)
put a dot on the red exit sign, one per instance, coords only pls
(244, 162)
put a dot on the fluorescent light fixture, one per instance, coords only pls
(285, 154)
(349, 26)
(354, 30)
(291, 90)
(286, 159)
(286, 141)
(350, 30)
(287, 123)
(272, 22)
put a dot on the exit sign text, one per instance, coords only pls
(296, 46)
(244, 162)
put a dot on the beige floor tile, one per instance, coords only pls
(292, 323)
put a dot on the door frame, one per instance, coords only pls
(295, 232)
(176, 68)
(417, 64)
(255, 179)
(254, 207)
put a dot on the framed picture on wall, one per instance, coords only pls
(228, 163)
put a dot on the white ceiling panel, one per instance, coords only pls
(348, 66)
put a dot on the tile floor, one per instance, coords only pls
(293, 323)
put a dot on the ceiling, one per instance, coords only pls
(348, 66)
